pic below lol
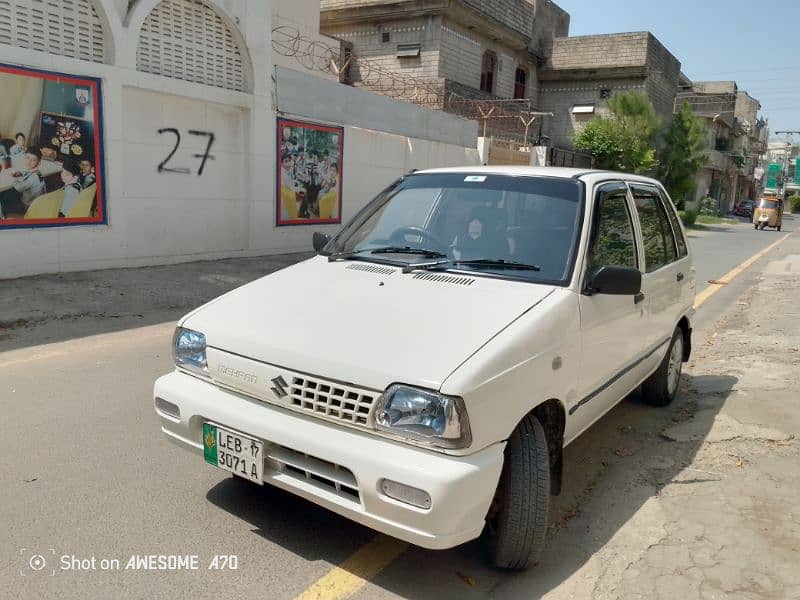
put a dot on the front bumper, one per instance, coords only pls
(461, 488)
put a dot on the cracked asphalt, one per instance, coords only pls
(698, 500)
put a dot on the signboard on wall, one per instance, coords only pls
(797, 170)
(309, 178)
(773, 171)
(51, 149)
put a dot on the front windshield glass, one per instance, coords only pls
(768, 203)
(459, 219)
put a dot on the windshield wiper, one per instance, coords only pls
(409, 250)
(498, 262)
(387, 250)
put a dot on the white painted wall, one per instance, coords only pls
(229, 211)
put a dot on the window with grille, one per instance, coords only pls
(520, 84)
(187, 39)
(487, 71)
(65, 27)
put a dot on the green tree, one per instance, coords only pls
(625, 139)
(684, 154)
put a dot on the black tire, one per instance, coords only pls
(656, 389)
(763, 225)
(778, 228)
(755, 225)
(516, 526)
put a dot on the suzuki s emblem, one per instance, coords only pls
(280, 387)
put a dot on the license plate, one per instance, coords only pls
(229, 450)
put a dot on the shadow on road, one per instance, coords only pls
(55, 308)
(623, 461)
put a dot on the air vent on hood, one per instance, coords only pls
(372, 269)
(444, 278)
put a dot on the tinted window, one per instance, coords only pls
(614, 244)
(657, 237)
(768, 203)
(676, 225)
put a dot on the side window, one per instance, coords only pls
(657, 236)
(676, 225)
(614, 244)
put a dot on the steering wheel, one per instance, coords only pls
(399, 237)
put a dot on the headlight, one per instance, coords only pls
(189, 350)
(424, 416)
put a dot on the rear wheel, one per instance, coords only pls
(517, 521)
(661, 387)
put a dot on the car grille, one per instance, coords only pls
(332, 400)
(321, 474)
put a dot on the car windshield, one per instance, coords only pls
(768, 203)
(499, 225)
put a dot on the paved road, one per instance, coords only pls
(87, 474)
(719, 248)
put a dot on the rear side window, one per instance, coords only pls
(676, 225)
(614, 244)
(659, 242)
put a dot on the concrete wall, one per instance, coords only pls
(158, 218)
(514, 14)
(550, 22)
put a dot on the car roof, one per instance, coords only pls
(586, 175)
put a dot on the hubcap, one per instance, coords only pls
(675, 366)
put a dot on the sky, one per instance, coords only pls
(755, 44)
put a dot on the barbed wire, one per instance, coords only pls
(348, 67)
(505, 116)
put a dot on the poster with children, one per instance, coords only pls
(309, 179)
(51, 149)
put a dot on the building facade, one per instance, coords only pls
(467, 49)
(583, 72)
(737, 138)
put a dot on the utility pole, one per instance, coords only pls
(786, 153)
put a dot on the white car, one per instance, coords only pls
(422, 374)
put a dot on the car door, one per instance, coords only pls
(666, 273)
(609, 323)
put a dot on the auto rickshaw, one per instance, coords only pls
(768, 213)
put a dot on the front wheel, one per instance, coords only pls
(763, 225)
(517, 521)
(778, 228)
(661, 387)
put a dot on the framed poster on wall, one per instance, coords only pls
(52, 163)
(309, 178)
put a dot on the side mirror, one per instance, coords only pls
(320, 241)
(617, 281)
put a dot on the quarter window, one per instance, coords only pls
(614, 244)
(657, 236)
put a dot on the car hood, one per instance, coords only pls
(362, 323)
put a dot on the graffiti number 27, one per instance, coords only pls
(162, 166)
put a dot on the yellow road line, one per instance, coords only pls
(732, 274)
(354, 573)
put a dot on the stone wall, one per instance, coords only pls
(600, 51)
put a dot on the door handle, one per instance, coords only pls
(680, 276)
(638, 298)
